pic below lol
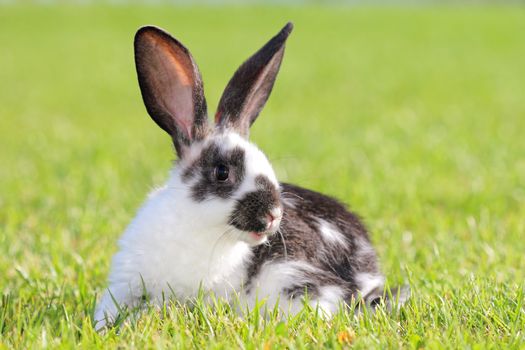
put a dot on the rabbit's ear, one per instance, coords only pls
(250, 86)
(171, 86)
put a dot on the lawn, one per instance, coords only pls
(415, 117)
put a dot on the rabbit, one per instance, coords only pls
(223, 223)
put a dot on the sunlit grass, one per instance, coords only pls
(415, 117)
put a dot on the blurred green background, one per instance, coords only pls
(413, 115)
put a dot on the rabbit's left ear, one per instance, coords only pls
(250, 86)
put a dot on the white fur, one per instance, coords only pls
(175, 245)
(331, 298)
(368, 282)
(255, 160)
(277, 276)
(331, 234)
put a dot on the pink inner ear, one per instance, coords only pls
(218, 116)
(171, 75)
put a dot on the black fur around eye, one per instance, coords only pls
(222, 172)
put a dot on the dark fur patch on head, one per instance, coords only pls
(251, 210)
(203, 169)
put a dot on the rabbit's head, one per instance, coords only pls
(228, 179)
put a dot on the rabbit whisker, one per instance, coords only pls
(284, 194)
(284, 244)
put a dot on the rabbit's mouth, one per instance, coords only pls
(255, 238)
(258, 236)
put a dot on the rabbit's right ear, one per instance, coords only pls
(171, 86)
(251, 85)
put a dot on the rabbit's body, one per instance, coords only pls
(330, 243)
(223, 223)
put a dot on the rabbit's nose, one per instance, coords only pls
(273, 218)
(269, 221)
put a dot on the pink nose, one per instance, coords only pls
(273, 218)
(269, 220)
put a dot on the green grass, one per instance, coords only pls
(414, 116)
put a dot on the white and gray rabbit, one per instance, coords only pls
(223, 223)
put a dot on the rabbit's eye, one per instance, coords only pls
(222, 172)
